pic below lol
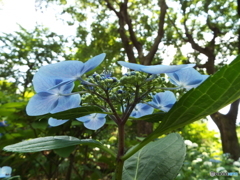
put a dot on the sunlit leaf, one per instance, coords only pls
(161, 158)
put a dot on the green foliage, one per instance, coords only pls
(199, 133)
(161, 158)
(28, 50)
(200, 161)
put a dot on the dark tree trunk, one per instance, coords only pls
(227, 127)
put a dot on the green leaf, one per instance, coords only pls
(160, 159)
(52, 143)
(156, 117)
(215, 93)
(42, 124)
(14, 105)
(75, 112)
(48, 143)
(64, 152)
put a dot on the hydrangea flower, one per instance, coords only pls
(155, 69)
(141, 109)
(5, 172)
(49, 100)
(69, 71)
(187, 78)
(93, 121)
(163, 101)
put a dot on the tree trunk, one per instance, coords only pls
(227, 127)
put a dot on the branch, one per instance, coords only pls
(154, 48)
(216, 31)
(110, 6)
(125, 40)
(176, 28)
(128, 20)
(190, 39)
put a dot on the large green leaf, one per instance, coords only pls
(75, 112)
(48, 143)
(52, 143)
(156, 117)
(160, 159)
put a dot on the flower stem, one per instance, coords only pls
(120, 162)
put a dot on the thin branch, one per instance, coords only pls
(110, 6)
(176, 28)
(122, 31)
(128, 20)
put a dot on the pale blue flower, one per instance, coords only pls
(155, 69)
(56, 122)
(141, 109)
(69, 71)
(187, 78)
(93, 121)
(49, 100)
(163, 101)
(5, 172)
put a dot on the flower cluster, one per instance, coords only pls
(183, 76)
(132, 93)
(54, 84)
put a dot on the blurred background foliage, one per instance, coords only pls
(201, 32)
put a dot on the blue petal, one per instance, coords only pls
(141, 109)
(155, 69)
(66, 102)
(167, 99)
(136, 67)
(43, 83)
(56, 122)
(41, 103)
(187, 78)
(93, 63)
(157, 99)
(64, 69)
(194, 82)
(67, 71)
(158, 69)
(5, 171)
(93, 121)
